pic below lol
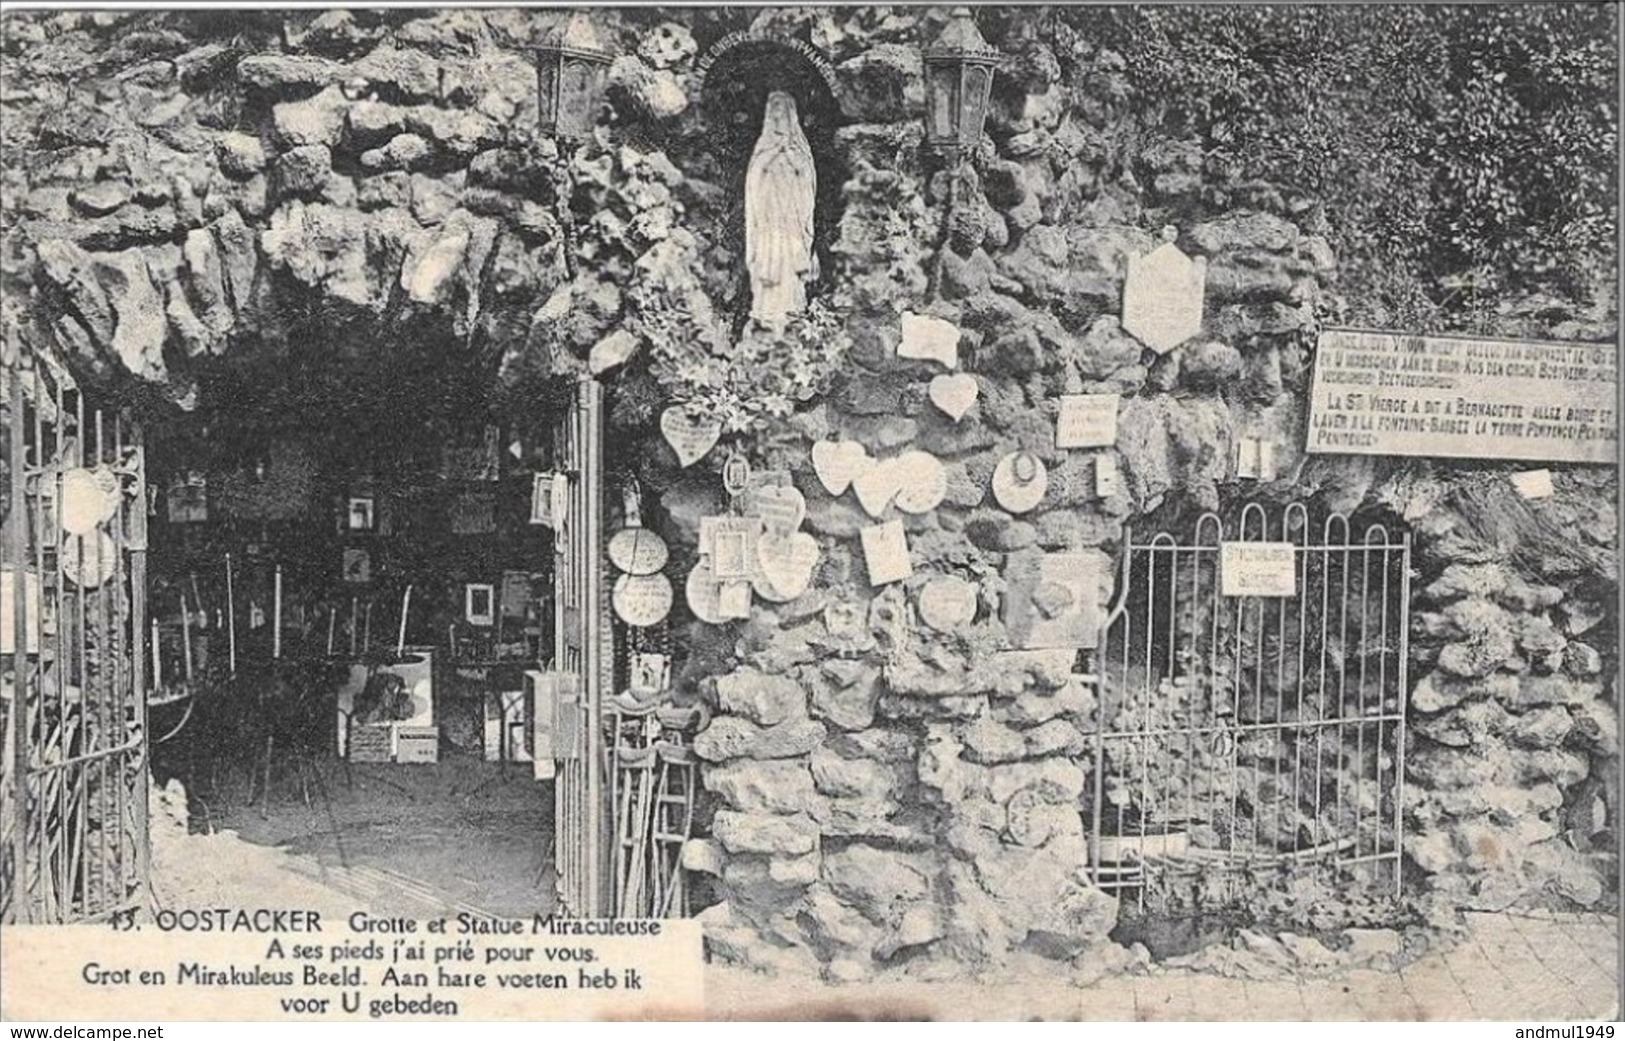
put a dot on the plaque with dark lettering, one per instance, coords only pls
(1383, 393)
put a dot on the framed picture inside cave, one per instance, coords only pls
(361, 515)
(357, 565)
(541, 500)
(479, 603)
(188, 497)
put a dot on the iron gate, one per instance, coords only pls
(1244, 740)
(74, 569)
(582, 637)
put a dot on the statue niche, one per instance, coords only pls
(768, 120)
(781, 185)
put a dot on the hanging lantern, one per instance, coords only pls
(958, 80)
(571, 65)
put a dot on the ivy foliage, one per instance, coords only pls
(1463, 151)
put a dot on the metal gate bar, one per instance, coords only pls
(1243, 734)
(75, 815)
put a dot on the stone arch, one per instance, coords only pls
(754, 44)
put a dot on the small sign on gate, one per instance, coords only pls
(1257, 569)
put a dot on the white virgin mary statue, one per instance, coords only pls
(779, 188)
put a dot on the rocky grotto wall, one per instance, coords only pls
(189, 192)
(1515, 728)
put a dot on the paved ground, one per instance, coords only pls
(463, 835)
(1554, 968)
(1535, 966)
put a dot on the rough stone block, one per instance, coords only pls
(1533, 691)
(1248, 322)
(704, 856)
(879, 883)
(892, 746)
(458, 133)
(1076, 529)
(764, 833)
(1502, 803)
(884, 84)
(1209, 365)
(73, 271)
(921, 924)
(1581, 615)
(372, 123)
(1048, 669)
(1466, 580)
(1034, 705)
(167, 269)
(989, 741)
(835, 774)
(847, 697)
(877, 819)
(1474, 724)
(1596, 727)
(994, 530)
(654, 93)
(1485, 638)
(100, 198)
(910, 676)
(400, 73)
(1545, 727)
(1565, 872)
(303, 171)
(141, 326)
(1244, 231)
(762, 699)
(1249, 278)
(433, 199)
(403, 152)
(1560, 767)
(1432, 765)
(1581, 660)
(1438, 691)
(239, 258)
(1308, 951)
(316, 120)
(938, 707)
(289, 75)
(880, 434)
(1055, 737)
(667, 44)
(1538, 637)
(835, 929)
(840, 518)
(755, 894)
(1374, 948)
(731, 737)
(794, 871)
(772, 786)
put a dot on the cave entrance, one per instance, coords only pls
(1250, 737)
(351, 603)
(377, 638)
